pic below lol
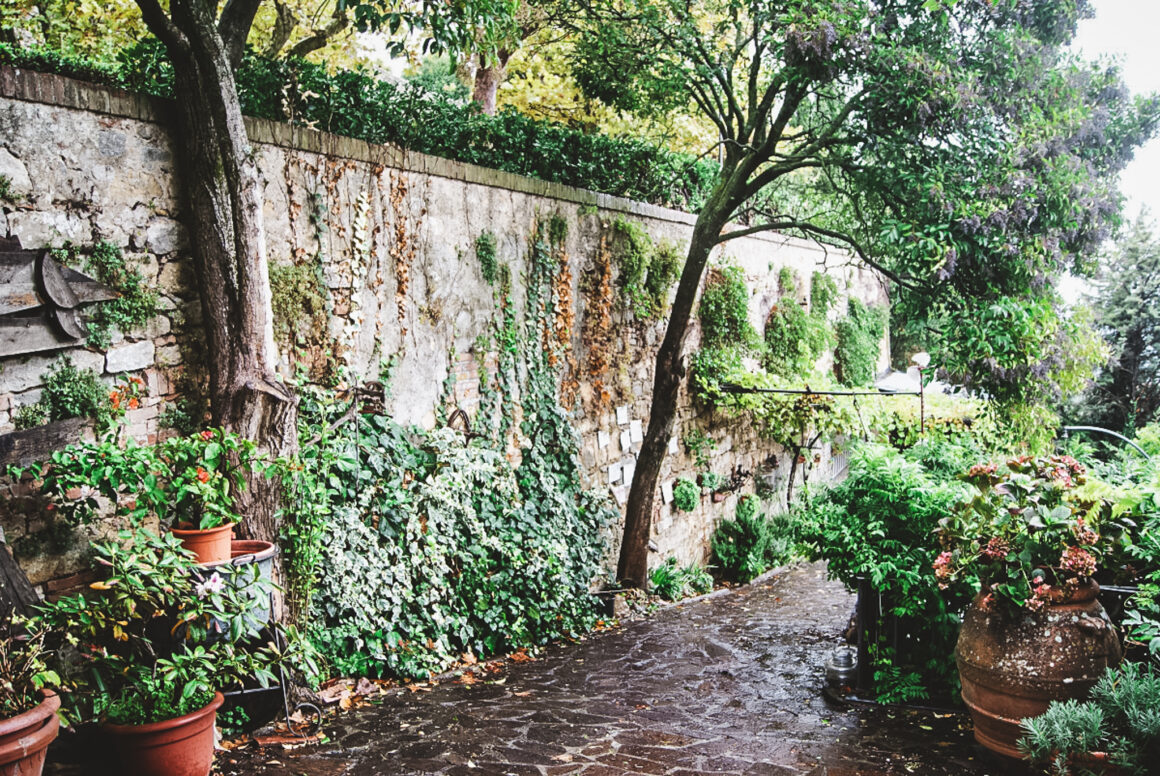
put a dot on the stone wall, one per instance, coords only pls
(394, 234)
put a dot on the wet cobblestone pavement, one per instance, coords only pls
(725, 685)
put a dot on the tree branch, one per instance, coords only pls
(162, 26)
(234, 27)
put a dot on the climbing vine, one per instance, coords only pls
(646, 272)
(794, 337)
(485, 246)
(859, 337)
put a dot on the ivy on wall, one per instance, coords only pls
(434, 544)
(794, 337)
(647, 270)
(859, 338)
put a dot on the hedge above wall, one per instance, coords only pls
(358, 105)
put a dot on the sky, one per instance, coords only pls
(1127, 29)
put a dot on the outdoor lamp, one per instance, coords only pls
(921, 359)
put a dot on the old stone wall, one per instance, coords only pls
(392, 234)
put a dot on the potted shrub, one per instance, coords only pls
(1115, 731)
(190, 483)
(152, 646)
(28, 706)
(1035, 633)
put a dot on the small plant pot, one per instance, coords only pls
(209, 545)
(25, 737)
(174, 747)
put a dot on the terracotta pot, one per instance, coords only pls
(210, 545)
(25, 737)
(1094, 762)
(174, 747)
(1013, 664)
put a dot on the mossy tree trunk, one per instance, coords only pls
(223, 204)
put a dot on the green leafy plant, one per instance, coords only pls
(1120, 720)
(686, 495)
(156, 635)
(190, 481)
(647, 272)
(878, 525)
(6, 193)
(672, 582)
(1028, 531)
(69, 392)
(750, 544)
(724, 310)
(485, 246)
(700, 445)
(137, 300)
(859, 337)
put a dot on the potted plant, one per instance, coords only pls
(28, 705)
(1115, 731)
(150, 648)
(1035, 632)
(189, 483)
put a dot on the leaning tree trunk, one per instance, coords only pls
(488, 77)
(222, 194)
(632, 567)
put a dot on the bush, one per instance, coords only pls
(878, 525)
(672, 582)
(751, 543)
(1121, 718)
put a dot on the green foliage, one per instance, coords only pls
(69, 392)
(647, 272)
(751, 543)
(673, 582)
(137, 302)
(485, 254)
(427, 546)
(787, 281)
(699, 445)
(1121, 718)
(878, 525)
(298, 300)
(794, 338)
(859, 338)
(356, 104)
(710, 366)
(156, 635)
(437, 75)
(686, 495)
(724, 310)
(187, 481)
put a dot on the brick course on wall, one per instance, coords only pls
(394, 232)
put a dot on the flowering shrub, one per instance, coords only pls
(1028, 532)
(187, 481)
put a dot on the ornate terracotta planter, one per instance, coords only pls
(1012, 665)
(210, 545)
(25, 737)
(174, 747)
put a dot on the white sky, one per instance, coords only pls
(1128, 30)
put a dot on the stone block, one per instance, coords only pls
(130, 357)
(45, 229)
(164, 236)
(19, 183)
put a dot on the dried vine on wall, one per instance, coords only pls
(596, 333)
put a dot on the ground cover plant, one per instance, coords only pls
(672, 582)
(409, 548)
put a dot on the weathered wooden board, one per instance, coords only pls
(34, 334)
(16, 592)
(20, 448)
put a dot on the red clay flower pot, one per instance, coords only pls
(210, 545)
(1014, 664)
(25, 737)
(174, 747)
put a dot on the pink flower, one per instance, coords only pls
(1078, 561)
(997, 548)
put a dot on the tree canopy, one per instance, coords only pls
(953, 145)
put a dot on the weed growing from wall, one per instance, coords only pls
(69, 392)
(485, 253)
(137, 302)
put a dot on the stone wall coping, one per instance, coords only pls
(60, 91)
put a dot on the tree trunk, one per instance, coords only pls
(632, 567)
(488, 76)
(222, 192)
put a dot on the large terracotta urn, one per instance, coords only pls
(182, 746)
(1014, 664)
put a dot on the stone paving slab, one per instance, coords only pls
(728, 685)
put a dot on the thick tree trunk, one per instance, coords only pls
(488, 76)
(224, 215)
(632, 567)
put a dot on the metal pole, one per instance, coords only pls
(1109, 432)
(921, 403)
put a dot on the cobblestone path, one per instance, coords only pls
(725, 685)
